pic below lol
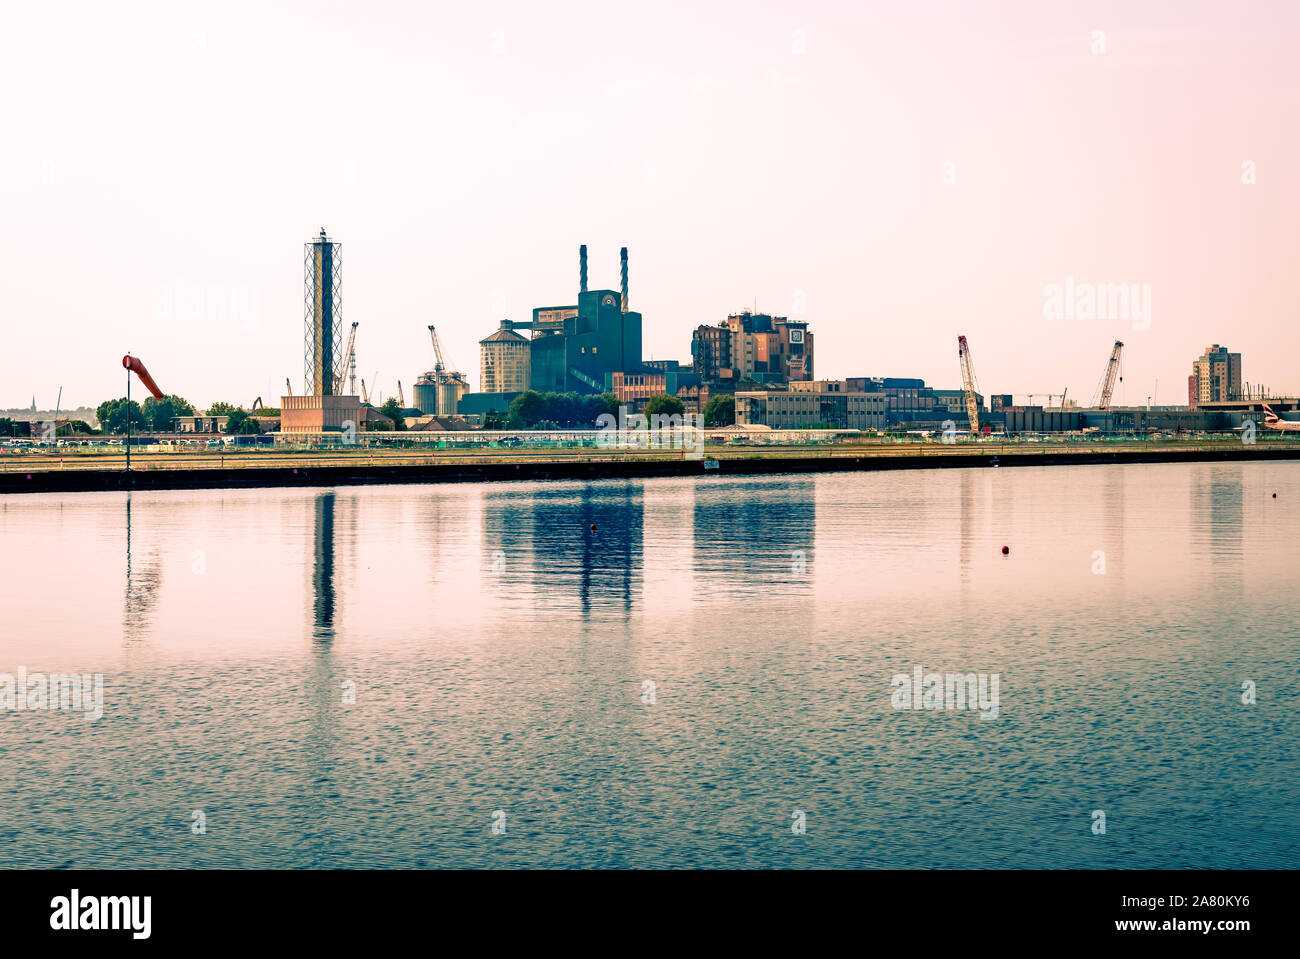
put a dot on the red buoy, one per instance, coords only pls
(593, 527)
(1005, 550)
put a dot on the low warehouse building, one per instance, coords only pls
(811, 409)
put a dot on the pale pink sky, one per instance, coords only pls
(745, 152)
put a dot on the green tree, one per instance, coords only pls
(234, 419)
(525, 410)
(160, 413)
(248, 426)
(220, 409)
(720, 410)
(393, 410)
(533, 410)
(664, 405)
(112, 416)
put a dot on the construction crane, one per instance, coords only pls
(969, 384)
(365, 397)
(401, 397)
(349, 359)
(1107, 385)
(288, 389)
(438, 365)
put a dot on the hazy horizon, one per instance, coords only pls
(902, 173)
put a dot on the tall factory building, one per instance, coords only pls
(1216, 377)
(598, 338)
(319, 409)
(504, 362)
(323, 335)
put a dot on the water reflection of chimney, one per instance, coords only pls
(322, 578)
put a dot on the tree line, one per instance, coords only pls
(159, 415)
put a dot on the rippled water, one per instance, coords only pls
(499, 646)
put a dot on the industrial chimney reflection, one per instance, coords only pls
(322, 576)
(582, 544)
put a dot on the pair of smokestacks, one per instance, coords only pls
(582, 271)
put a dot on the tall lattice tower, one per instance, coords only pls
(323, 297)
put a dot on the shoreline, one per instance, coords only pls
(561, 467)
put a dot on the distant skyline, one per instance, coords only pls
(896, 174)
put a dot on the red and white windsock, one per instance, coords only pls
(133, 363)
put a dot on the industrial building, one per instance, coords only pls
(323, 332)
(321, 409)
(505, 362)
(811, 406)
(753, 346)
(592, 346)
(1215, 377)
(908, 401)
(320, 414)
(602, 337)
(438, 391)
(201, 424)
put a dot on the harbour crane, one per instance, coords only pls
(443, 375)
(401, 397)
(969, 385)
(365, 397)
(1107, 385)
(438, 365)
(349, 359)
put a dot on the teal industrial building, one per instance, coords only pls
(589, 347)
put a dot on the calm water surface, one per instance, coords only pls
(499, 647)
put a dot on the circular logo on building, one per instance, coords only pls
(608, 300)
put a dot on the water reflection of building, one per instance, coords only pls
(755, 534)
(544, 545)
(322, 575)
(1217, 517)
